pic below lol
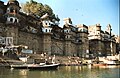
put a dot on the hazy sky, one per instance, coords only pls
(88, 12)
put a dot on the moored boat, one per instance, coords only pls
(43, 67)
(22, 66)
(113, 62)
(35, 66)
(99, 64)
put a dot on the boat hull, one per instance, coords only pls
(44, 67)
(19, 66)
(36, 66)
(99, 64)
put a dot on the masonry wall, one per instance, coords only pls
(33, 41)
(57, 47)
(74, 49)
(12, 31)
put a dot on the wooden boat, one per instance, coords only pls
(113, 62)
(35, 66)
(23, 66)
(43, 67)
(38, 65)
(99, 64)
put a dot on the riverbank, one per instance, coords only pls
(38, 58)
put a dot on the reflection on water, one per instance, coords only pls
(63, 72)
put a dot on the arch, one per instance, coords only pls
(15, 20)
(45, 23)
(45, 30)
(11, 19)
(66, 36)
(8, 10)
(11, 9)
(49, 30)
(16, 11)
(66, 30)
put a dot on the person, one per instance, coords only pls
(53, 59)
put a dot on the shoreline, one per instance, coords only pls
(8, 65)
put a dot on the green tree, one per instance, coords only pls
(33, 7)
(12, 0)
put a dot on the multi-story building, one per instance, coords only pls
(43, 36)
(102, 43)
(39, 34)
(117, 44)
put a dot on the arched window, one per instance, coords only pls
(66, 36)
(66, 30)
(11, 10)
(46, 23)
(11, 19)
(16, 10)
(15, 20)
(8, 9)
(46, 30)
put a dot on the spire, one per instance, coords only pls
(109, 28)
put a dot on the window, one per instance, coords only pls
(66, 36)
(8, 9)
(46, 30)
(11, 19)
(16, 11)
(15, 20)
(46, 23)
(11, 10)
(67, 30)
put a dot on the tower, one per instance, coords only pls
(67, 42)
(2, 11)
(12, 20)
(112, 43)
(46, 29)
(12, 12)
(67, 33)
(82, 40)
(109, 29)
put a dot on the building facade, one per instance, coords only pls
(117, 38)
(39, 34)
(43, 36)
(102, 43)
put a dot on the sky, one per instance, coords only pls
(88, 12)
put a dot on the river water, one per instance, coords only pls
(63, 72)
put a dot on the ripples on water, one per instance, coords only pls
(63, 72)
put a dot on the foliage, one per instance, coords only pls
(33, 7)
(12, 0)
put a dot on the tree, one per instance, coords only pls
(33, 7)
(12, 0)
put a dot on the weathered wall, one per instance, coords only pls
(33, 41)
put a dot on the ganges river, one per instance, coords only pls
(63, 72)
